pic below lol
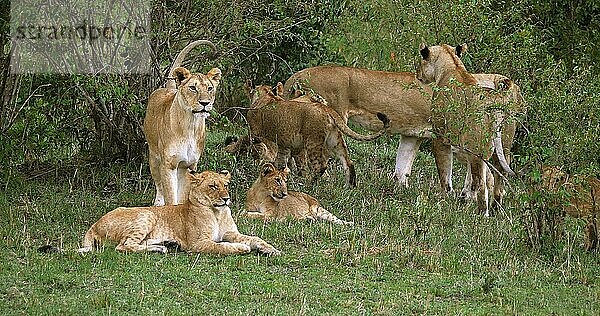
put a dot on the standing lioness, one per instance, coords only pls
(175, 130)
(203, 224)
(464, 115)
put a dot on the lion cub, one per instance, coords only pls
(583, 201)
(268, 198)
(202, 224)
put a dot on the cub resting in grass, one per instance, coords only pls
(203, 224)
(268, 198)
(582, 203)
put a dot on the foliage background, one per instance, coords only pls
(550, 49)
(72, 148)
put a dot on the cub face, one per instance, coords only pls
(197, 90)
(210, 188)
(273, 180)
(256, 92)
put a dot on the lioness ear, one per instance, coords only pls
(424, 50)
(181, 74)
(280, 89)
(285, 171)
(268, 168)
(225, 174)
(214, 75)
(460, 49)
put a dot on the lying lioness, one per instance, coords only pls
(269, 199)
(203, 224)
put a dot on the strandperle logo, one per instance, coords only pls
(69, 37)
(84, 31)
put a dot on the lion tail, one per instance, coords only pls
(89, 241)
(181, 56)
(323, 214)
(343, 127)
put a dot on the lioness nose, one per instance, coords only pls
(204, 103)
(227, 200)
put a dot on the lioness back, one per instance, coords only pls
(359, 94)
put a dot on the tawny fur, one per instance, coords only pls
(359, 94)
(508, 97)
(460, 118)
(269, 199)
(203, 224)
(174, 127)
(583, 202)
(308, 131)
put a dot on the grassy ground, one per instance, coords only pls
(410, 252)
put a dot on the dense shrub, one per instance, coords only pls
(549, 49)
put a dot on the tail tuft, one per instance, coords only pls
(49, 249)
(383, 118)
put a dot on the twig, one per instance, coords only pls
(16, 113)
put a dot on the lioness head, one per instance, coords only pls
(197, 91)
(210, 188)
(436, 59)
(273, 180)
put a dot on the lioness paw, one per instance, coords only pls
(241, 248)
(269, 251)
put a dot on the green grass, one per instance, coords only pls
(411, 251)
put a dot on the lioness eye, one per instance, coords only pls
(210, 88)
(192, 88)
(213, 186)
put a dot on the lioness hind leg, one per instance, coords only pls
(478, 172)
(318, 159)
(405, 156)
(135, 237)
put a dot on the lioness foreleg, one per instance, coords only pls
(154, 162)
(254, 242)
(168, 176)
(219, 248)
